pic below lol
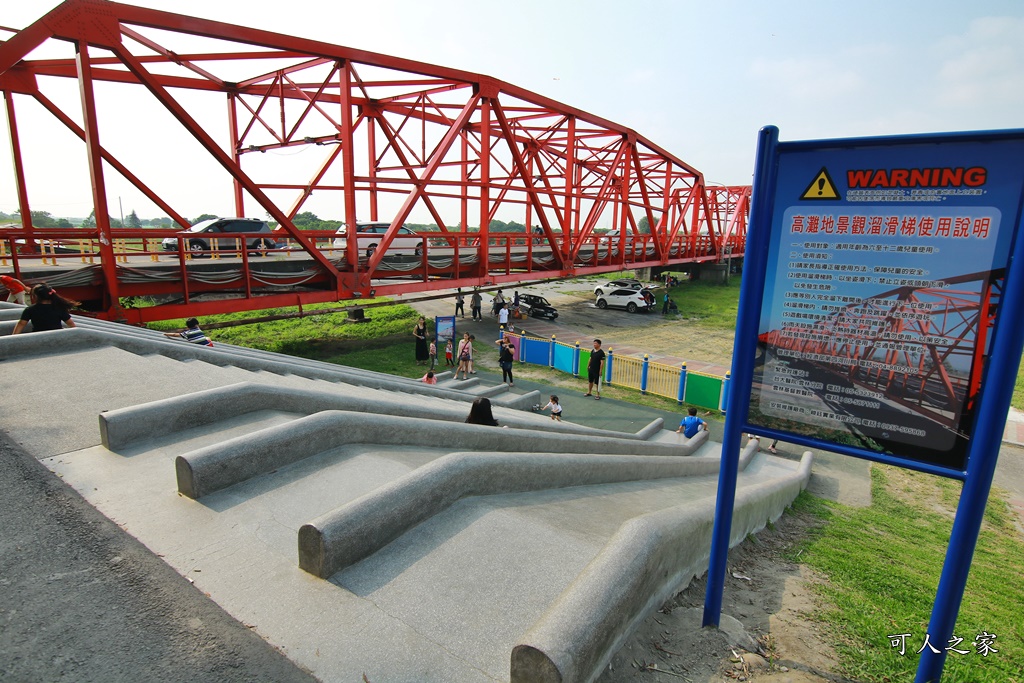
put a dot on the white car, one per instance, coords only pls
(618, 284)
(369, 237)
(632, 300)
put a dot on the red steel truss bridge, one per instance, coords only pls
(390, 139)
(920, 347)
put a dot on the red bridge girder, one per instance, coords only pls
(396, 138)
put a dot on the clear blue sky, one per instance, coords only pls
(697, 78)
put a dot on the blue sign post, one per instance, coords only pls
(869, 323)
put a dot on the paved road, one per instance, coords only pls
(81, 600)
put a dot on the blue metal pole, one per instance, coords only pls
(751, 293)
(983, 453)
(682, 384)
(576, 361)
(551, 352)
(608, 366)
(643, 374)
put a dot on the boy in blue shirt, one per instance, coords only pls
(691, 424)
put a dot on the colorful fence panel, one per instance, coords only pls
(626, 372)
(662, 380)
(698, 389)
(703, 390)
(564, 358)
(536, 351)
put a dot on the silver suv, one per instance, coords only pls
(200, 238)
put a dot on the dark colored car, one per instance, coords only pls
(536, 306)
(202, 236)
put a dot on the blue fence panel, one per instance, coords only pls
(534, 351)
(564, 357)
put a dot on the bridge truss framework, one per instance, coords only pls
(391, 138)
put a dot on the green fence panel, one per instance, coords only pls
(703, 390)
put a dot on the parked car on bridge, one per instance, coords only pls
(632, 300)
(536, 306)
(200, 237)
(618, 284)
(369, 238)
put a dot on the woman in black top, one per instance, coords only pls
(420, 332)
(480, 413)
(48, 312)
(506, 358)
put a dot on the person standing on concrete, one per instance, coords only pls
(499, 301)
(48, 312)
(475, 303)
(464, 354)
(594, 369)
(503, 318)
(15, 289)
(506, 357)
(460, 303)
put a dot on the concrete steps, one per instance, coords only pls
(355, 519)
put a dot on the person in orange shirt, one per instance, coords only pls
(15, 289)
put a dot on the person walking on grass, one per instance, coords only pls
(594, 368)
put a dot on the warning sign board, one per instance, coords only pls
(856, 346)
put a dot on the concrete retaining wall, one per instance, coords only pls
(210, 469)
(344, 536)
(647, 561)
(129, 339)
(124, 426)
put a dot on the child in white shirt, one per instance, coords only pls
(556, 409)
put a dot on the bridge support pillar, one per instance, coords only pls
(712, 272)
(643, 274)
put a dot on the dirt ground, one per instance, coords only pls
(766, 632)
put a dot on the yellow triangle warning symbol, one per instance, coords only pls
(821, 187)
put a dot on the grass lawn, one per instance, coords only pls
(882, 565)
